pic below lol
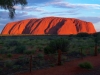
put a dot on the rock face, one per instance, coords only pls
(49, 25)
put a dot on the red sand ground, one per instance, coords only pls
(70, 68)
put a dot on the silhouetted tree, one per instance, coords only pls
(96, 39)
(9, 5)
(57, 45)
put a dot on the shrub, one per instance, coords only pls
(20, 49)
(8, 63)
(52, 65)
(3, 50)
(1, 70)
(40, 47)
(64, 58)
(8, 47)
(99, 50)
(55, 45)
(33, 51)
(27, 52)
(74, 53)
(9, 55)
(82, 34)
(16, 67)
(86, 65)
(41, 63)
(22, 60)
(1, 58)
(21, 57)
(40, 55)
(47, 50)
(13, 43)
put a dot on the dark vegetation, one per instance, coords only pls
(46, 50)
(86, 65)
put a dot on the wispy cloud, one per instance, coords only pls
(4, 18)
(69, 12)
(97, 26)
(29, 8)
(39, 2)
(62, 4)
(90, 19)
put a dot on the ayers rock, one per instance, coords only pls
(49, 25)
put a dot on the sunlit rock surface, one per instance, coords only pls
(49, 25)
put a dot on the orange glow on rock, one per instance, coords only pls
(49, 25)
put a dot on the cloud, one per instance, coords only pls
(69, 12)
(4, 14)
(39, 2)
(4, 18)
(29, 8)
(19, 16)
(90, 19)
(23, 15)
(97, 26)
(62, 4)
